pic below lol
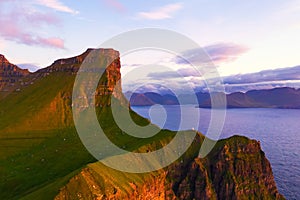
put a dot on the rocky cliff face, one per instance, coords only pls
(10, 75)
(236, 169)
(72, 64)
(111, 79)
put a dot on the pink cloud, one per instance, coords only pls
(22, 24)
(38, 18)
(11, 32)
(218, 53)
(225, 52)
(52, 42)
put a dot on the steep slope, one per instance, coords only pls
(41, 151)
(236, 169)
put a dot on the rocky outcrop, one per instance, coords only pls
(73, 64)
(236, 169)
(10, 70)
(106, 59)
(10, 76)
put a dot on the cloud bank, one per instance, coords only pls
(283, 74)
(284, 77)
(183, 72)
(216, 53)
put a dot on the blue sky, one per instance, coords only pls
(252, 35)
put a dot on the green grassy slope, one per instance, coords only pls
(38, 148)
(25, 116)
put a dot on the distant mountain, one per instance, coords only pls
(151, 98)
(277, 97)
(273, 98)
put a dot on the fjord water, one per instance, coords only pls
(278, 131)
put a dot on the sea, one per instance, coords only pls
(278, 131)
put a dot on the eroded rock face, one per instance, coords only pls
(240, 169)
(106, 61)
(89, 56)
(10, 75)
(236, 169)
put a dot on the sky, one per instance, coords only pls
(240, 36)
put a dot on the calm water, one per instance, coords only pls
(278, 130)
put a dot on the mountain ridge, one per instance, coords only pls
(284, 97)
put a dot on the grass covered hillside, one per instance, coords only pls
(39, 143)
(42, 156)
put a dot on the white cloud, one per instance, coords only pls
(56, 5)
(165, 12)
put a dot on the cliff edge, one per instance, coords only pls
(236, 169)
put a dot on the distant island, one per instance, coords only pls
(285, 97)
